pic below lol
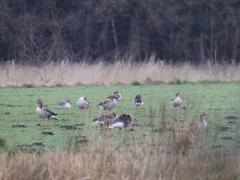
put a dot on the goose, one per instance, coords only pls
(177, 101)
(105, 119)
(109, 103)
(118, 95)
(122, 121)
(65, 104)
(82, 103)
(43, 112)
(199, 126)
(137, 100)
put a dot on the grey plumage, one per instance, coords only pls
(44, 112)
(109, 103)
(122, 121)
(137, 100)
(105, 119)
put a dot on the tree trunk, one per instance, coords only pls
(201, 50)
(134, 42)
(115, 38)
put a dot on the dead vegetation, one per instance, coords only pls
(101, 160)
(166, 153)
(75, 74)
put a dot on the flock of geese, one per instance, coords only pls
(110, 119)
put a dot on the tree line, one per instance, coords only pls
(34, 31)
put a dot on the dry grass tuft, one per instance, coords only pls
(72, 74)
(102, 161)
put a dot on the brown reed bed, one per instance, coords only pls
(74, 74)
(103, 161)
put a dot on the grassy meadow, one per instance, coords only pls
(221, 101)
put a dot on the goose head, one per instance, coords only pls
(82, 99)
(118, 94)
(203, 116)
(138, 96)
(178, 94)
(39, 103)
(68, 101)
(126, 119)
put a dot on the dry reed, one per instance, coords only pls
(102, 161)
(73, 74)
(165, 155)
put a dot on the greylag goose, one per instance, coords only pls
(137, 100)
(65, 104)
(105, 119)
(43, 112)
(177, 101)
(122, 121)
(198, 127)
(109, 103)
(82, 103)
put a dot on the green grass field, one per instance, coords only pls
(17, 107)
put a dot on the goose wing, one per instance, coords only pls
(49, 111)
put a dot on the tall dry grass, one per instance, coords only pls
(71, 74)
(162, 155)
(103, 161)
